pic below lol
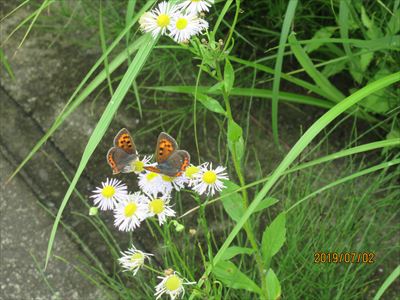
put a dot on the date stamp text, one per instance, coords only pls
(344, 257)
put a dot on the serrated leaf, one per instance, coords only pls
(315, 43)
(229, 76)
(235, 250)
(232, 277)
(373, 32)
(233, 204)
(273, 286)
(365, 19)
(393, 134)
(334, 68)
(265, 203)
(274, 237)
(393, 25)
(211, 104)
(379, 102)
(365, 60)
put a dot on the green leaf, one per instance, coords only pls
(315, 43)
(373, 31)
(233, 204)
(334, 68)
(287, 24)
(294, 153)
(4, 61)
(234, 131)
(365, 60)
(232, 277)
(393, 134)
(389, 280)
(229, 76)
(274, 237)
(80, 95)
(235, 139)
(101, 127)
(216, 88)
(273, 286)
(235, 250)
(379, 102)
(305, 61)
(211, 104)
(267, 202)
(393, 25)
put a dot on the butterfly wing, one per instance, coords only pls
(176, 164)
(166, 145)
(120, 161)
(124, 140)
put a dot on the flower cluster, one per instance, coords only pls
(130, 209)
(171, 284)
(153, 200)
(179, 21)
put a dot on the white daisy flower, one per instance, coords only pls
(111, 192)
(159, 206)
(208, 180)
(171, 285)
(169, 183)
(190, 173)
(130, 212)
(151, 183)
(137, 166)
(196, 6)
(184, 26)
(133, 259)
(159, 19)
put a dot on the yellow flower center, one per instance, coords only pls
(181, 23)
(173, 283)
(209, 177)
(150, 176)
(163, 20)
(138, 165)
(190, 171)
(136, 257)
(108, 191)
(130, 209)
(167, 178)
(196, 0)
(157, 206)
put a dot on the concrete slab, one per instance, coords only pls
(25, 229)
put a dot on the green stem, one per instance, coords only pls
(233, 25)
(247, 226)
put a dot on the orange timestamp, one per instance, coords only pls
(344, 257)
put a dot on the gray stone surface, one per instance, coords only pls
(45, 77)
(25, 228)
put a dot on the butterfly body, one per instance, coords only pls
(123, 154)
(170, 161)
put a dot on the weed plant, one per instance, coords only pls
(235, 96)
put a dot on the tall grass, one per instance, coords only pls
(316, 57)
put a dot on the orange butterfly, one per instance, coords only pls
(121, 156)
(170, 161)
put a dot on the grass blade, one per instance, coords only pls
(101, 127)
(391, 278)
(73, 102)
(296, 150)
(347, 152)
(305, 61)
(287, 22)
(248, 92)
(347, 178)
